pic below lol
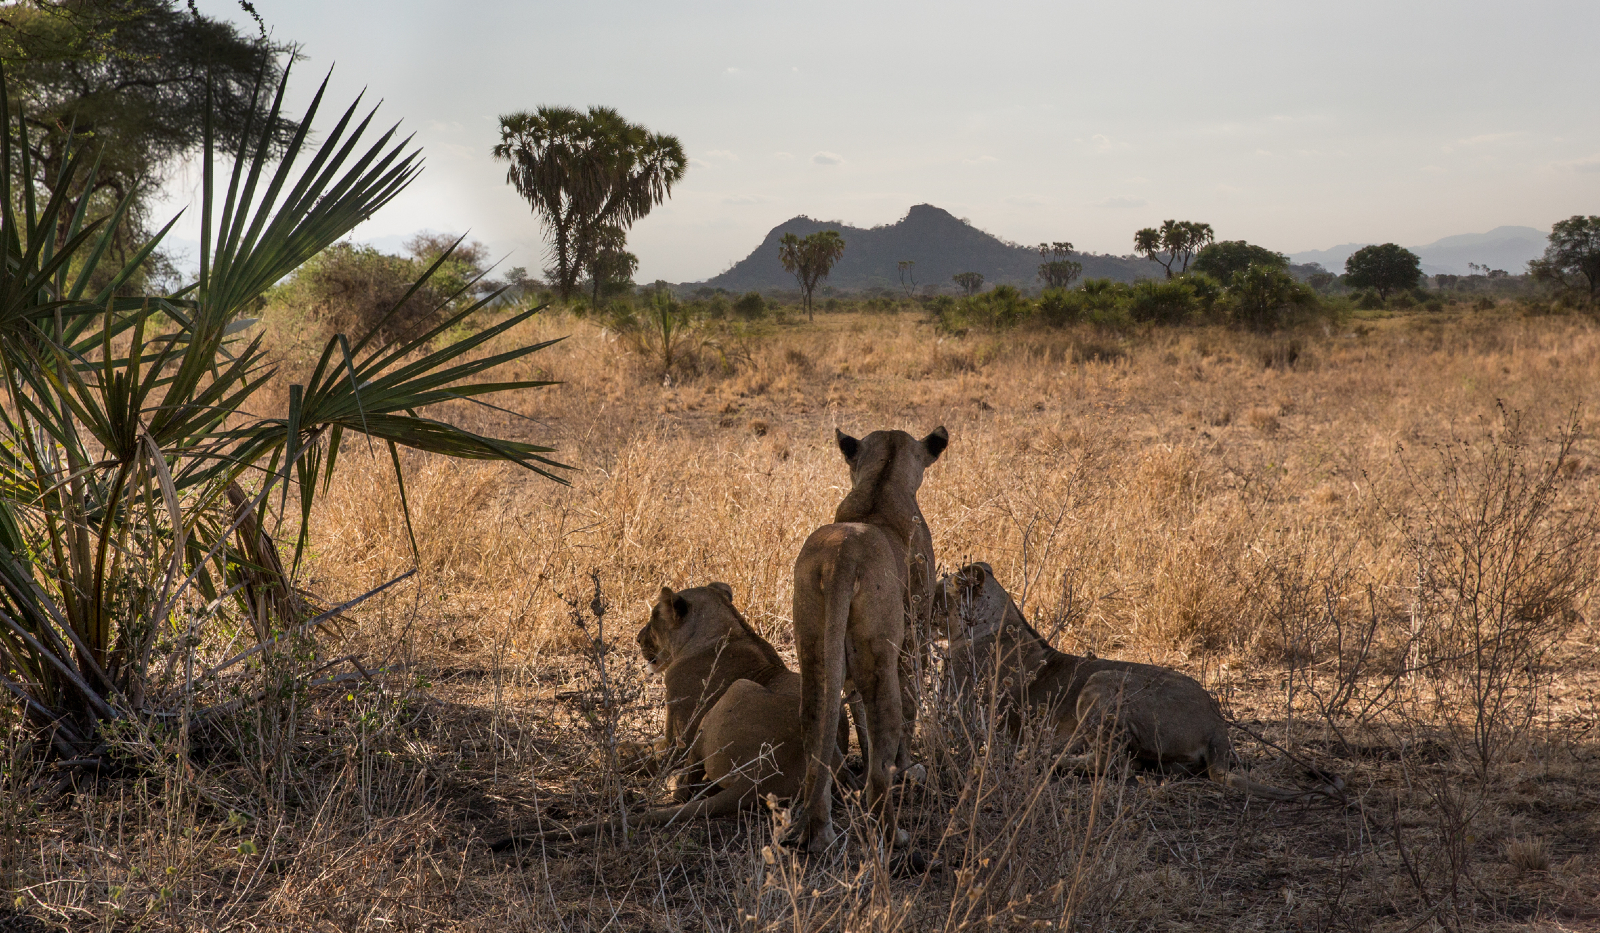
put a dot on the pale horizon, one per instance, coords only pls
(1294, 128)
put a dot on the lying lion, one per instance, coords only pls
(1159, 716)
(733, 711)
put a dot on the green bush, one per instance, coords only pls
(1264, 298)
(1059, 307)
(750, 306)
(1206, 288)
(1156, 301)
(999, 308)
(1105, 302)
(1368, 301)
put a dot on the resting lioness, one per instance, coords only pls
(1156, 714)
(853, 582)
(733, 710)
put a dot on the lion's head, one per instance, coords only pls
(679, 618)
(968, 601)
(883, 462)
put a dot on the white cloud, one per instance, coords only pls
(782, 156)
(727, 154)
(827, 158)
(1120, 202)
(1585, 165)
(1101, 142)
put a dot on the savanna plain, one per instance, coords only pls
(1374, 541)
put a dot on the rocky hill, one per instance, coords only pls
(940, 244)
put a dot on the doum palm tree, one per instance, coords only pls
(586, 174)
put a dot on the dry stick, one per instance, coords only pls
(1049, 542)
(300, 629)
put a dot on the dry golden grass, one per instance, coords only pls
(1190, 498)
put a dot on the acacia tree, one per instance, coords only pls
(1058, 270)
(136, 81)
(1572, 260)
(584, 172)
(1174, 241)
(1386, 268)
(1222, 261)
(970, 282)
(810, 260)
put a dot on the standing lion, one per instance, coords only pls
(854, 582)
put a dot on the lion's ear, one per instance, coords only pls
(724, 589)
(936, 442)
(675, 604)
(848, 445)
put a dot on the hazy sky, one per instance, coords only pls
(1293, 125)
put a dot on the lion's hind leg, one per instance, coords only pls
(821, 613)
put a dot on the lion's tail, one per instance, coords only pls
(738, 792)
(1217, 770)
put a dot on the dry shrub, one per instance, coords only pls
(1529, 855)
(1505, 557)
(1264, 420)
(348, 289)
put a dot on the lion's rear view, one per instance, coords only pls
(853, 582)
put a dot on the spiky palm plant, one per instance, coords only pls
(136, 471)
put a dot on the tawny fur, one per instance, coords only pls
(733, 712)
(1159, 716)
(854, 582)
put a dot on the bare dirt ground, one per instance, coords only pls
(1375, 543)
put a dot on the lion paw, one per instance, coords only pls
(800, 836)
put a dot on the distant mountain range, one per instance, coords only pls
(1507, 248)
(940, 244)
(943, 245)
